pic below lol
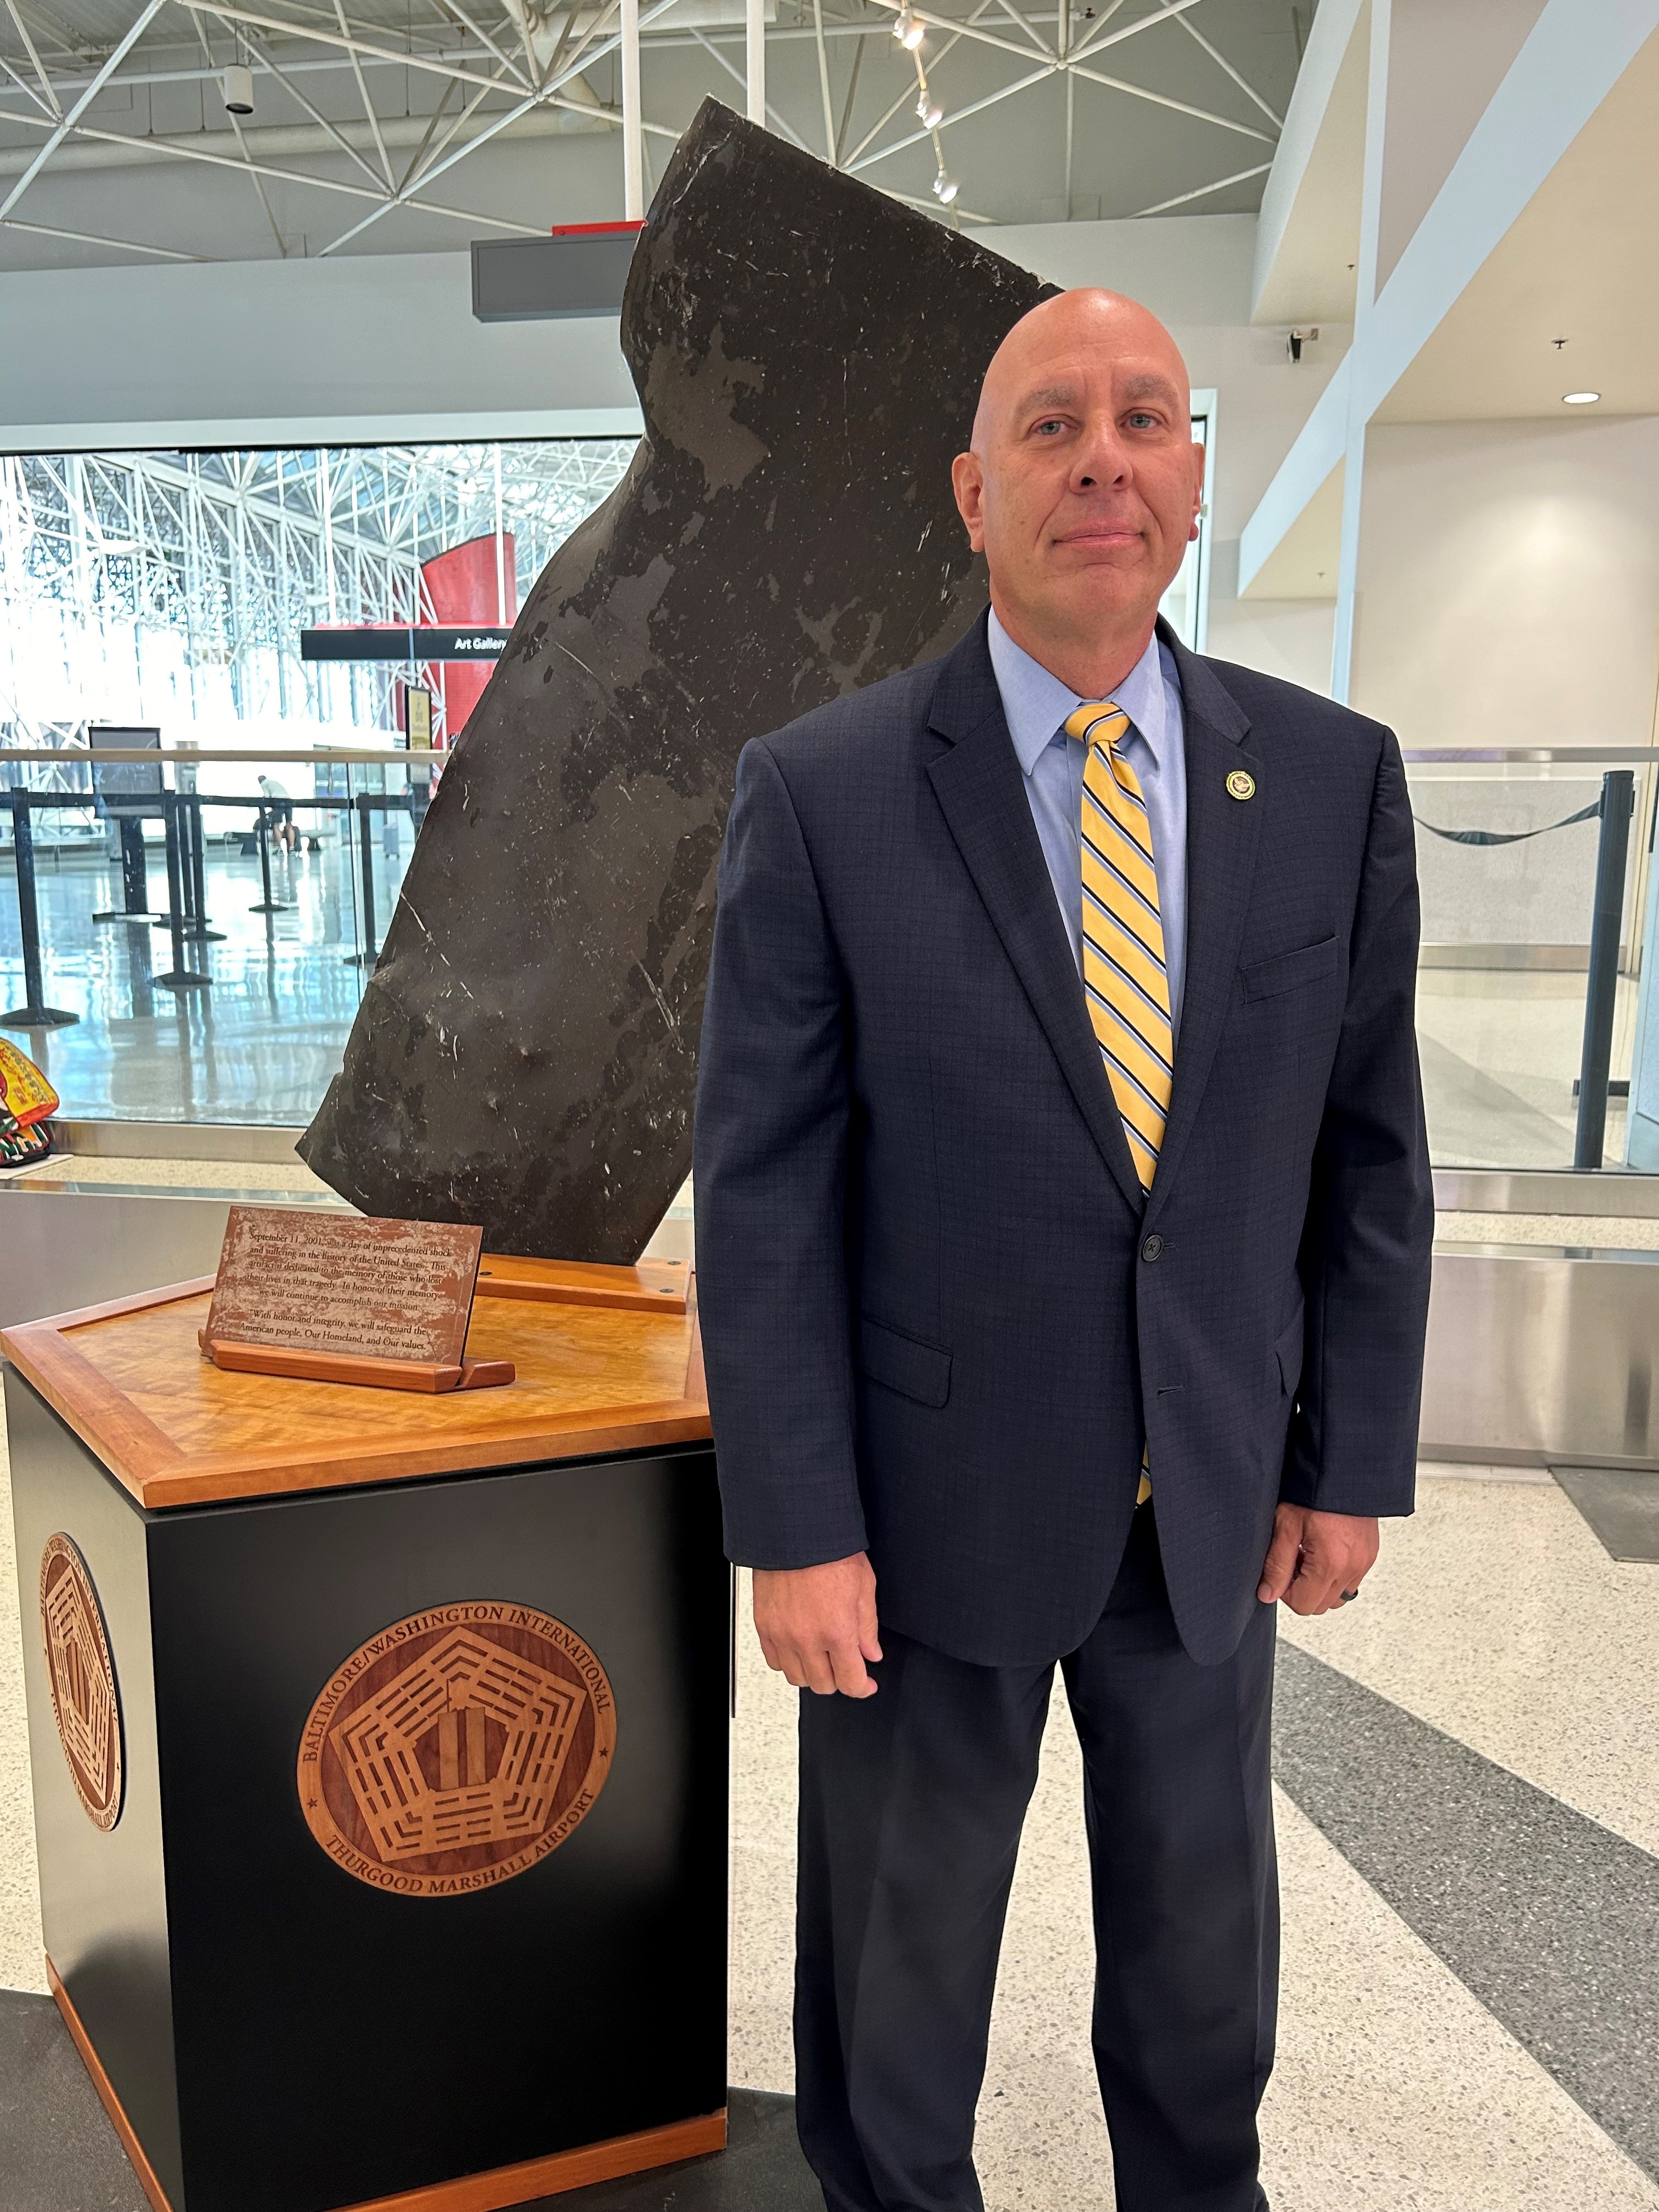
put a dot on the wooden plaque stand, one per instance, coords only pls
(348, 1367)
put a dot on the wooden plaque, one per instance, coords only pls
(329, 1282)
(85, 1701)
(456, 1748)
(328, 1298)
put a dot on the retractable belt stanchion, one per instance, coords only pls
(179, 977)
(35, 1014)
(196, 873)
(134, 905)
(269, 903)
(1601, 994)
(370, 953)
(180, 914)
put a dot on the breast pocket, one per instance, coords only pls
(1292, 971)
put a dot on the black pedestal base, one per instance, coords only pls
(58, 2152)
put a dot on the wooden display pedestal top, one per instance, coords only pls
(606, 1359)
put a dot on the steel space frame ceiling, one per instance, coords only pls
(408, 125)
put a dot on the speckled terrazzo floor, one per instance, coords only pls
(1397, 2089)
(1489, 1704)
(1608, 1231)
(88, 1173)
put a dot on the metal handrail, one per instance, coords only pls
(1543, 754)
(369, 757)
(350, 755)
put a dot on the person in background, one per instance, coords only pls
(278, 813)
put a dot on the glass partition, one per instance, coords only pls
(203, 922)
(1508, 847)
(173, 588)
(228, 680)
(196, 952)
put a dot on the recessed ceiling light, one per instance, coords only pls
(1579, 398)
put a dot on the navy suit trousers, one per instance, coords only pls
(911, 1807)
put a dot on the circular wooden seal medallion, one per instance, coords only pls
(456, 1748)
(85, 1702)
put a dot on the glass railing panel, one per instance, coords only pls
(209, 936)
(208, 933)
(1508, 849)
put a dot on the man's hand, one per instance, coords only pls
(817, 1625)
(1313, 1558)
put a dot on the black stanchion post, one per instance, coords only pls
(196, 843)
(1618, 802)
(268, 904)
(370, 952)
(178, 917)
(177, 977)
(135, 877)
(35, 1014)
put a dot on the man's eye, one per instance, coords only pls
(1053, 423)
(1142, 420)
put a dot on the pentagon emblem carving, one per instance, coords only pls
(456, 1748)
(85, 1701)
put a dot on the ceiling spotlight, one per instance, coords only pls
(945, 187)
(908, 31)
(1579, 398)
(931, 113)
(236, 88)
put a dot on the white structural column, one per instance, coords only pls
(1353, 457)
(632, 131)
(755, 57)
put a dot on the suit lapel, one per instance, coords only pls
(1222, 836)
(981, 793)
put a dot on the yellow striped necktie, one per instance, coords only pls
(1125, 978)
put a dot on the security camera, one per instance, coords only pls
(1297, 339)
(236, 86)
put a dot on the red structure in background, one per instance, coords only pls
(460, 586)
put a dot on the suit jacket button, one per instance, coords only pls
(1152, 1249)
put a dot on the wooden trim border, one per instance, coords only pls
(105, 2089)
(502, 2187)
(506, 2185)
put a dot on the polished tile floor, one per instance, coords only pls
(1501, 1664)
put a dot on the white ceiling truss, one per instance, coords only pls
(366, 110)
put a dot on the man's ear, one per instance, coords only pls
(1199, 459)
(967, 482)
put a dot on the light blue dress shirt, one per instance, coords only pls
(1037, 705)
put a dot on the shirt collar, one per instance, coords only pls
(1036, 703)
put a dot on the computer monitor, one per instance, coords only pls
(127, 788)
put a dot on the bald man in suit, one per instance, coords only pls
(1063, 1230)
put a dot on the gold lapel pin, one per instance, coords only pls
(1240, 784)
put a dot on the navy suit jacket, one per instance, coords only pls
(938, 1316)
